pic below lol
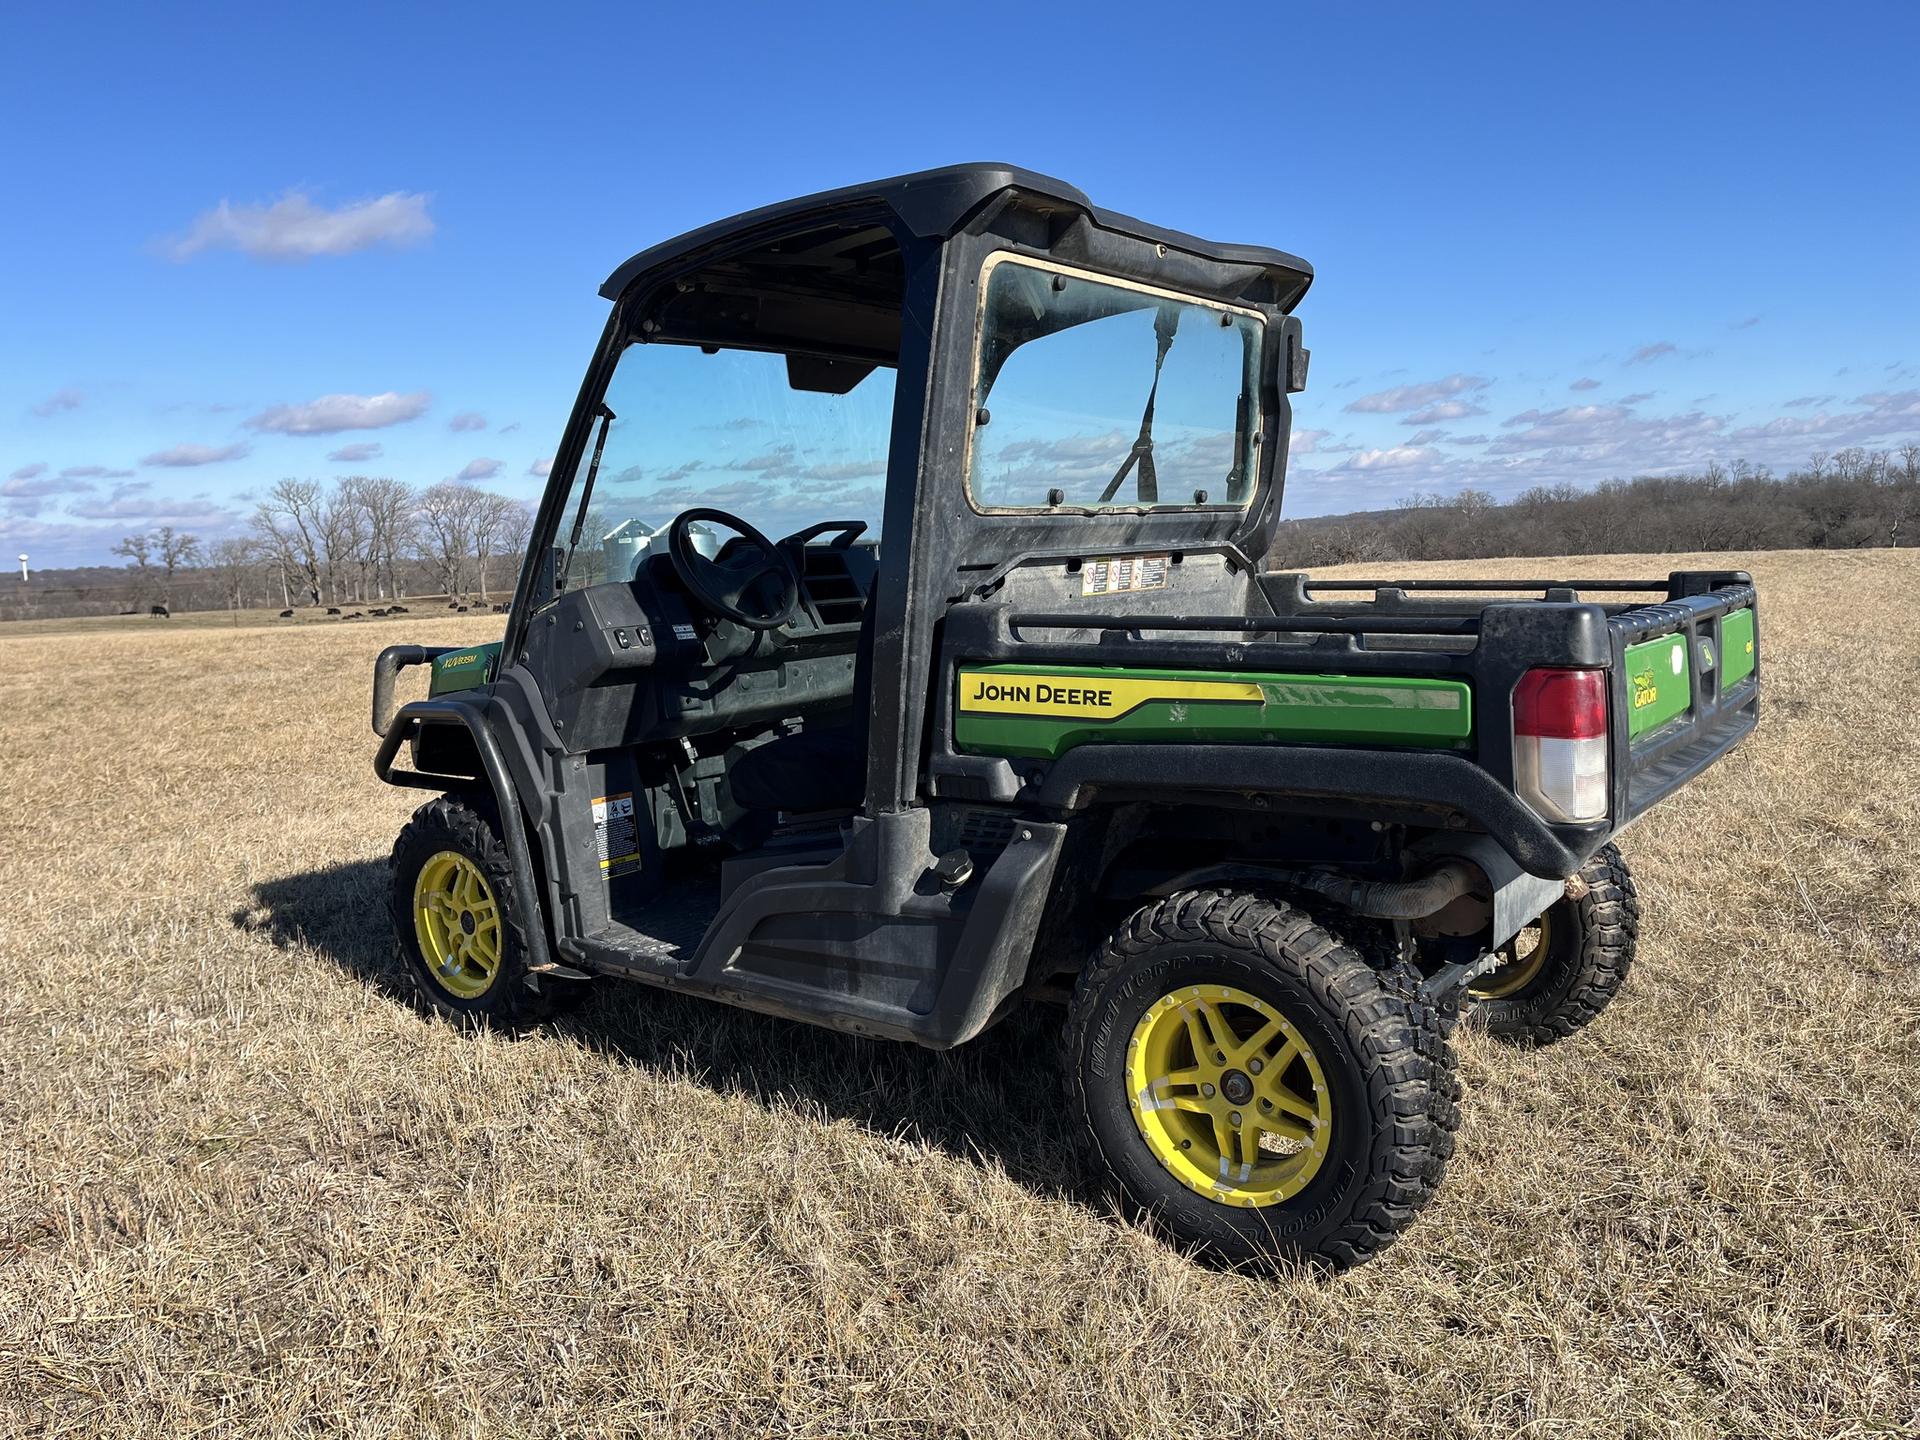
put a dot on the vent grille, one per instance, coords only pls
(831, 586)
(985, 833)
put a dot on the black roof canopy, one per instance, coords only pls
(938, 203)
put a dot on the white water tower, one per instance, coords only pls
(23, 569)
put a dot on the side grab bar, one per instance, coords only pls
(387, 668)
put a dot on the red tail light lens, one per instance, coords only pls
(1561, 704)
(1560, 759)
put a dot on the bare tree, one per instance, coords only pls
(443, 533)
(360, 551)
(232, 563)
(138, 552)
(499, 526)
(343, 539)
(389, 508)
(175, 550)
(288, 524)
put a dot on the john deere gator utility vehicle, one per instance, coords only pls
(1033, 720)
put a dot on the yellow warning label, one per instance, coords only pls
(1088, 698)
(616, 833)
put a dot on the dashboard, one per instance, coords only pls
(630, 662)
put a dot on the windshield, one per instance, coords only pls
(1098, 394)
(726, 430)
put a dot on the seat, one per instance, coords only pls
(822, 767)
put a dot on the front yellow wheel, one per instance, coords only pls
(456, 920)
(1228, 1095)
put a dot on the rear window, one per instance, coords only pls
(1098, 394)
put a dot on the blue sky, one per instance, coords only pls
(1602, 239)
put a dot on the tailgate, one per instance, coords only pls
(1688, 685)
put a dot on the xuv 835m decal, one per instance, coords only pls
(1043, 710)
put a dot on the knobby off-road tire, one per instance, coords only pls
(1584, 948)
(1377, 1073)
(456, 924)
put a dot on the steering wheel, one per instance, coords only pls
(756, 586)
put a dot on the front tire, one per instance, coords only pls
(1561, 971)
(456, 922)
(1247, 1080)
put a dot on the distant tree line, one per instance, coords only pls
(359, 540)
(1848, 500)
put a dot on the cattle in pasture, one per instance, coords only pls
(159, 612)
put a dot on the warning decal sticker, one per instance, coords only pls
(1124, 575)
(616, 834)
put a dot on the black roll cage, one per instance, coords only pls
(946, 224)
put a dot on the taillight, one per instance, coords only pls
(1560, 742)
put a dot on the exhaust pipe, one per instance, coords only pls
(1394, 899)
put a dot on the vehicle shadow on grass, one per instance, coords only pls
(994, 1101)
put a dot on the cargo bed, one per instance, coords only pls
(1680, 658)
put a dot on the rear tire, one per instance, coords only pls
(456, 923)
(1346, 1055)
(1564, 969)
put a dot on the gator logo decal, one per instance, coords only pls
(1645, 692)
(1081, 698)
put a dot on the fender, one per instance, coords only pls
(458, 709)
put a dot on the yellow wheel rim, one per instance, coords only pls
(456, 919)
(1522, 959)
(1228, 1095)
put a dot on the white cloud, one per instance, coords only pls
(1443, 410)
(479, 470)
(1585, 382)
(1399, 457)
(93, 472)
(467, 420)
(154, 510)
(64, 399)
(294, 228)
(1886, 413)
(1610, 433)
(331, 414)
(1654, 351)
(1306, 442)
(30, 482)
(355, 453)
(181, 456)
(540, 469)
(1412, 397)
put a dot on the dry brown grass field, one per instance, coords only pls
(245, 1190)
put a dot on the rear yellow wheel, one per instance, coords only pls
(1560, 972)
(456, 920)
(1521, 960)
(1229, 1095)
(1253, 1084)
